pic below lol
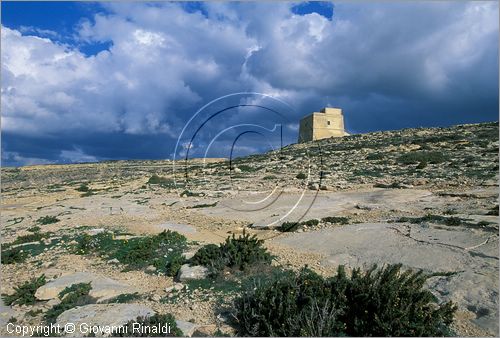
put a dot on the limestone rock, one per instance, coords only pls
(102, 315)
(102, 287)
(187, 272)
(187, 328)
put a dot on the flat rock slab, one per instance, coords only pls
(182, 228)
(187, 272)
(102, 287)
(102, 315)
(187, 328)
(470, 253)
(268, 210)
(6, 312)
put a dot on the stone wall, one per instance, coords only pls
(327, 123)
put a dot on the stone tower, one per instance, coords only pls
(327, 123)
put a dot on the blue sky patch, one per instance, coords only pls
(323, 8)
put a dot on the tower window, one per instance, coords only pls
(328, 122)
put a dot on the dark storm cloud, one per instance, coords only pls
(389, 66)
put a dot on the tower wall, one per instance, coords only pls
(327, 123)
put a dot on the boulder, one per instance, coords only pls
(103, 315)
(188, 272)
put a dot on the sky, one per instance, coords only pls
(84, 82)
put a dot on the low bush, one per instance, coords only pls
(311, 222)
(124, 298)
(47, 220)
(294, 226)
(289, 226)
(375, 156)
(71, 296)
(152, 326)
(336, 220)
(189, 193)
(162, 250)
(422, 165)
(301, 176)
(13, 255)
(203, 205)
(83, 188)
(173, 264)
(432, 157)
(33, 237)
(208, 255)
(378, 302)
(236, 253)
(25, 294)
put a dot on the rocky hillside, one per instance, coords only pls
(458, 156)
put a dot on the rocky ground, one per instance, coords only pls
(426, 198)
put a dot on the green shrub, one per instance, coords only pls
(235, 253)
(83, 188)
(422, 165)
(173, 265)
(301, 176)
(34, 229)
(375, 156)
(88, 244)
(124, 298)
(137, 253)
(150, 325)
(493, 211)
(289, 226)
(47, 220)
(204, 205)
(294, 226)
(311, 222)
(269, 177)
(335, 220)
(71, 296)
(34, 237)
(13, 255)
(189, 193)
(208, 255)
(423, 156)
(25, 294)
(379, 302)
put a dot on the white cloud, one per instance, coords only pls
(164, 63)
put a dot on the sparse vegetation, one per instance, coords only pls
(72, 296)
(151, 322)
(301, 176)
(124, 298)
(161, 250)
(203, 205)
(25, 294)
(236, 253)
(433, 157)
(34, 237)
(378, 302)
(83, 188)
(13, 255)
(188, 193)
(336, 220)
(164, 182)
(47, 220)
